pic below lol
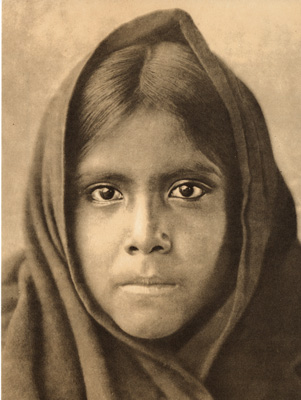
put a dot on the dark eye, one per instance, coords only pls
(105, 194)
(188, 191)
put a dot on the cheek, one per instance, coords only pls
(199, 236)
(97, 236)
(203, 260)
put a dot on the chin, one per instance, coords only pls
(146, 327)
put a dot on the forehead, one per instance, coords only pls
(148, 141)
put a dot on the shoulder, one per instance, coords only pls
(263, 353)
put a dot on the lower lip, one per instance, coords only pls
(154, 290)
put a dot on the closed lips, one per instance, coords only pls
(150, 289)
(148, 281)
(150, 286)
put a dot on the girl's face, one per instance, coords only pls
(149, 225)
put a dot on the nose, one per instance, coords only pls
(147, 234)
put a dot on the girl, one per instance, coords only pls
(161, 253)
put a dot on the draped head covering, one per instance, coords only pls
(60, 346)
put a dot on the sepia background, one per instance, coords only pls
(43, 39)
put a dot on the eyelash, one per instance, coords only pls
(108, 200)
(203, 189)
(190, 185)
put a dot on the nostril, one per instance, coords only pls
(132, 249)
(156, 248)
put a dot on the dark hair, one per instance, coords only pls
(165, 76)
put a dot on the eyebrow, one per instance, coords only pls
(192, 171)
(101, 177)
(196, 169)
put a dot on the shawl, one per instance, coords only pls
(58, 346)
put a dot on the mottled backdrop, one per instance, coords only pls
(44, 39)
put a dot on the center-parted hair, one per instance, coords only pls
(165, 76)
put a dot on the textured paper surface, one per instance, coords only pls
(44, 39)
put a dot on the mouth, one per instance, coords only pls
(148, 286)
